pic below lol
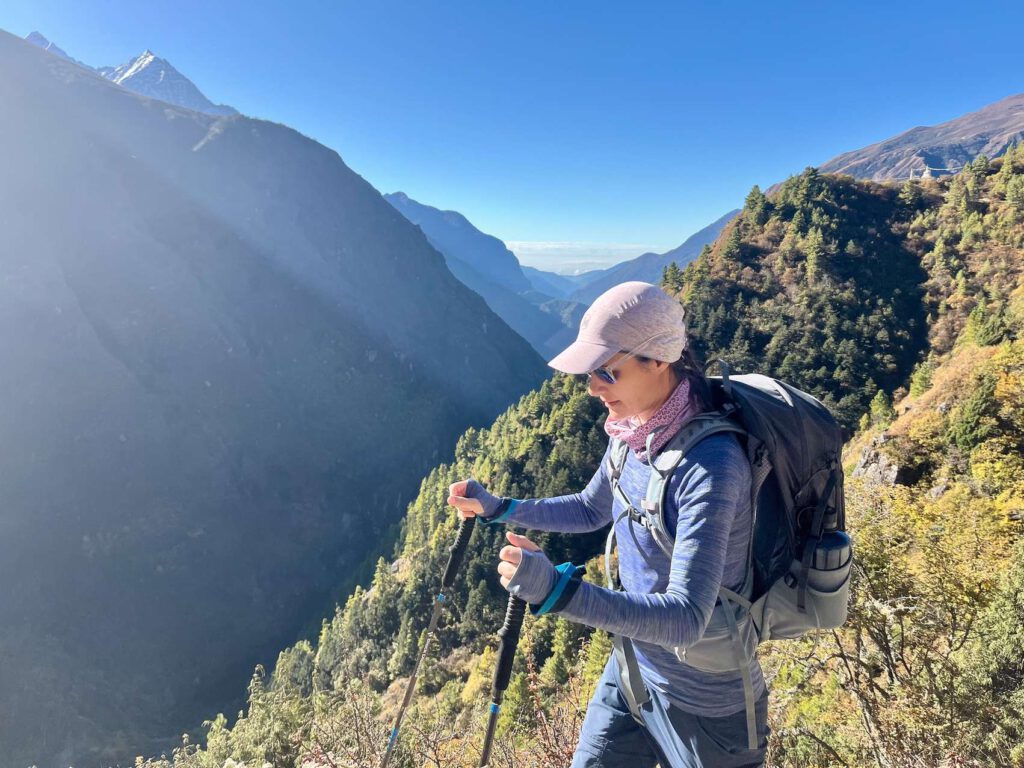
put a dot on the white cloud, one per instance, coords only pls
(573, 257)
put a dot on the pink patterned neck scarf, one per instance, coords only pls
(673, 414)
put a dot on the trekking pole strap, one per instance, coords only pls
(631, 684)
(744, 666)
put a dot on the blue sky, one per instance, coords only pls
(575, 131)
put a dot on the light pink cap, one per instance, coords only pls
(635, 317)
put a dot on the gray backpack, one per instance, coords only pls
(799, 556)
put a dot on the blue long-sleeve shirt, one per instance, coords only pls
(667, 602)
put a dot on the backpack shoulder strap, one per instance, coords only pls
(616, 463)
(665, 463)
(617, 457)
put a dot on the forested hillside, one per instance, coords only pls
(900, 306)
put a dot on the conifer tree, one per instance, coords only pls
(731, 249)
(1015, 192)
(755, 207)
(882, 412)
(672, 278)
(814, 251)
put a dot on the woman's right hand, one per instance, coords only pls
(472, 499)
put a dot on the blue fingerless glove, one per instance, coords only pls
(496, 508)
(546, 588)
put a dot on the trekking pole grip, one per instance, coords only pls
(509, 634)
(457, 551)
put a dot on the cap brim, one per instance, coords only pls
(582, 357)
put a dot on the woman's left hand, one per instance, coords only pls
(512, 555)
(525, 570)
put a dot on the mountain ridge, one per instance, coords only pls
(485, 264)
(208, 323)
(148, 75)
(648, 267)
(987, 131)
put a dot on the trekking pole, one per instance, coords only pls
(456, 553)
(509, 634)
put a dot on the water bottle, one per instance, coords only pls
(830, 564)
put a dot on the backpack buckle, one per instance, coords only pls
(637, 516)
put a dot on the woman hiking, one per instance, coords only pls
(632, 342)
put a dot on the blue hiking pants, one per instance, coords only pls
(611, 738)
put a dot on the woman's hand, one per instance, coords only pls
(472, 499)
(512, 555)
(525, 570)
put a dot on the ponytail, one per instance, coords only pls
(688, 366)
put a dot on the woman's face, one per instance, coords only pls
(636, 391)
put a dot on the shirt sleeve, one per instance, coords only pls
(716, 475)
(588, 510)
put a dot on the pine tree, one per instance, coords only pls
(1013, 159)
(1015, 193)
(755, 207)
(974, 421)
(986, 326)
(921, 380)
(672, 278)
(731, 249)
(563, 651)
(597, 651)
(814, 251)
(797, 225)
(882, 412)
(696, 277)
(910, 194)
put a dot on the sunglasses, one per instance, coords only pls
(607, 373)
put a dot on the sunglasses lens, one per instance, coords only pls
(605, 375)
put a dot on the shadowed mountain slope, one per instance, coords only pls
(483, 263)
(227, 365)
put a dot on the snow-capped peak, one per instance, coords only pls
(135, 66)
(37, 39)
(148, 75)
(152, 76)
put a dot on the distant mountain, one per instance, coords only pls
(559, 286)
(649, 266)
(152, 76)
(950, 145)
(548, 319)
(483, 263)
(37, 39)
(228, 363)
(149, 75)
(453, 235)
